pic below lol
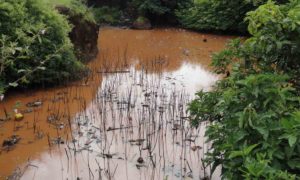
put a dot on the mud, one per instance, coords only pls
(83, 35)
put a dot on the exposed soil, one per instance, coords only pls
(84, 35)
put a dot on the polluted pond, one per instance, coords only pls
(127, 120)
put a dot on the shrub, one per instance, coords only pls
(105, 14)
(249, 116)
(158, 9)
(274, 45)
(76, 7)
(79, 8)
(220, 15)
(35, 47)
(254, 113)
(276, 32)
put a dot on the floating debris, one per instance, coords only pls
(34, 104)
(147, 94)
(140, 160)
(27, 111)
(136, 140)
(176, 127)
(19, 116)
(109, 156)
(113, 129)
(52, 118)
(188, 139)
(145, 105)
(194, 148)
(58, 140)
(88, 142)
(140, 165)
(10, 142)
(61, 125)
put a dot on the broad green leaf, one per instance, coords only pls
(292, 140)
(249, 149)
(235, 154)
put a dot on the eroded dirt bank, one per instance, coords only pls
(83, 35)
(161, 61)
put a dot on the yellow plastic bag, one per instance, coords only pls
(19, 116)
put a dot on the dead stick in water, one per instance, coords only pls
(189, 166)
(113, 129)
(99, 169)
(49, 143)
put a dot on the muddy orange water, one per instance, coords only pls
(127, 120)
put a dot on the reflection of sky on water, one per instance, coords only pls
(186, 80)
(193, 77)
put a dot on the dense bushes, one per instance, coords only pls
(275, 45)
(218, 15)
(79, 8)
(254, 113)
(157, 10)
(35, 47)
(215, 15)
(254, 126)
(107, 15)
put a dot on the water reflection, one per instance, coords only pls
(160, 70)
(135, 128)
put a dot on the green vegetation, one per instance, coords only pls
(150, 7)
(78, 8)
(154, 9)
(254, 113)
(58, 2)
(35, 46)
(218, 15)
(107, 15)
(141, 19)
